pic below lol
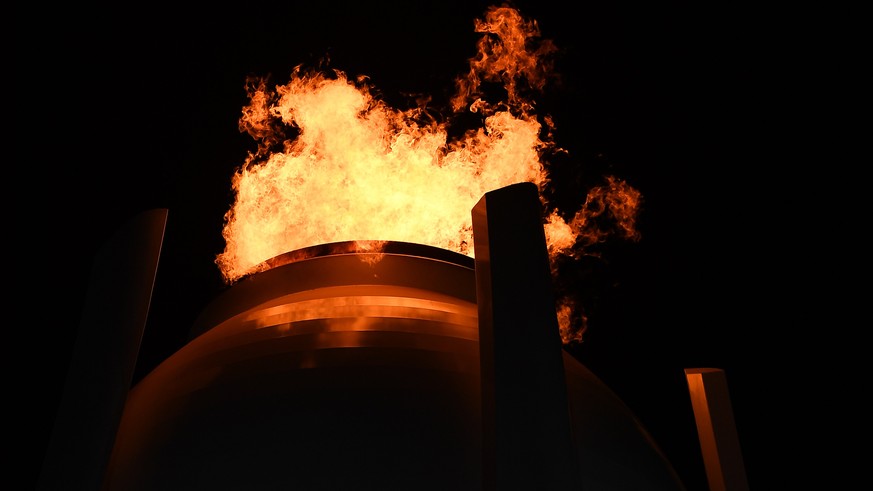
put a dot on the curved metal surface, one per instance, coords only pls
(337, 372)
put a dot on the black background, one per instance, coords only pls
(128, 109)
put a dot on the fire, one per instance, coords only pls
(334, 163)
(608, 210)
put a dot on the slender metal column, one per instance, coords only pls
(527, 434)
(716, 429)
(104, 355)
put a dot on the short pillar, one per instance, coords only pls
(716, 429)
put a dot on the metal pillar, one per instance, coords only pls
(716, 429)
(527, 434)
(104, 355)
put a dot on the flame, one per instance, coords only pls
(334, 163)
(609, 210)
(507, 56)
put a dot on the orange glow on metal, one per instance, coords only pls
(362, 306)
(719, 442)
(339, 316)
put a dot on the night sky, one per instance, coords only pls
(137, 108)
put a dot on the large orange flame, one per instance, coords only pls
(336, 164)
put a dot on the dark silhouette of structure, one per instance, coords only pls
(409, 367)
